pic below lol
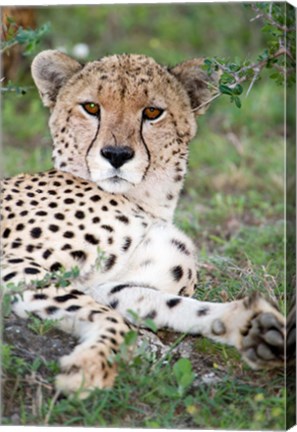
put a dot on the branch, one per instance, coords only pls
(207, 101)
(268, 17)
(239, 78)
(8, 47)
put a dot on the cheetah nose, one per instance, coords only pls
(117, 155)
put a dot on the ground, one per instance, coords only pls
(232, 206)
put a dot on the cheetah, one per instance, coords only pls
(120, 127)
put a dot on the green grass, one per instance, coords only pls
(153, 394)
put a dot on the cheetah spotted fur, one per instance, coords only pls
(121, 127)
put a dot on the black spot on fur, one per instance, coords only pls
(111, 319)
(95, 198)
(47, 253)
(123, 219)
(40, 296)
(203, 311)
(15, 260)
(76, 292)
(118, 288)
(92, 313)
(177, 273)
(9, 276)
(173, 302)
(36, 232)
(79, 255)
(110, 262)
(68, 234)
(91, 239)
(114, 304)
(6, 233)
(16, 244)
(73, 308)
(55, 267)
(107, 228)
(53, 228)
(64, 298)
(127, 243)
(151, 315)
(180, 246)
(113, 341)
(50, 310)
(30, 270)
(79, 214)
(189, 274)
(69, 201)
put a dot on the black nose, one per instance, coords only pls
(117, 155)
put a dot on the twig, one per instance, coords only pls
(8, 47)
(257, 67)
(257, 73)
(269, 18)
(206, 102)
(51, 407)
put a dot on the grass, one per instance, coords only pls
(232, 206)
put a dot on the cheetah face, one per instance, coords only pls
(122, 119)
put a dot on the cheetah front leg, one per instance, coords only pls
(252, 325)
(100, 330)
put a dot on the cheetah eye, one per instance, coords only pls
(152, 113)
(91, 108)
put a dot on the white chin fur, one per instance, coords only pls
(114, 187)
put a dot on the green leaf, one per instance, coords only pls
(225, 89)
(237, 101)
(130, 338)
(208, 62)
(151, 325)
(6, 305)
(183, 373)
(238, 89)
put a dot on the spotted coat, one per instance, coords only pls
(121, 127)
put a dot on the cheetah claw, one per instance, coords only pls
(263, 341)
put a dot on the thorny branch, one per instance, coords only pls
(252, 71)
(269, 17)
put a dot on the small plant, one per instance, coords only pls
(183, 374)
(279, 57)
(41, 327)
(12, 35)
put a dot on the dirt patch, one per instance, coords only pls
(33, 387)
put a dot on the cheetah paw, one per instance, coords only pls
(263, 338)
(84, 370)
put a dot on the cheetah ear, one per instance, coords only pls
(198, 84)
(50, 70)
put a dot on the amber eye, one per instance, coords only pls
(152, 113)
(91, 108)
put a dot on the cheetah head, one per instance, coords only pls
(122, 120)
